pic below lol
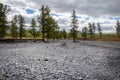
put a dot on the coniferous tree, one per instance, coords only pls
(64, 34)
(118, 28)
(90, 29)
(21, 22)
(49, 28)
(14, 27)
(99, 30)
(94, 29)
(48, 24)
(41, 20)
(84, 32)
(74, 24)
(55, 31)
(4, 10)
(33, 26)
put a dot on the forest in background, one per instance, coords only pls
(49, 29)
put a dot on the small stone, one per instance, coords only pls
(46, 60)
(38, 59)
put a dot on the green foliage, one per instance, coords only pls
(42, 21)
(118, 28)
(21, 22)
(92, 29)
(4, 10)
(14, 27)
(38, 34)
(64, 34)
(74, 24)
(49, 26)
(99, 30)
(33, 26)
(84, 32)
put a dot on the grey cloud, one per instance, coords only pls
(88, 7)
(108, 28)
(93, 8)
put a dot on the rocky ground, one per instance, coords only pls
(63, 60)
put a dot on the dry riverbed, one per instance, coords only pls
(63, 60)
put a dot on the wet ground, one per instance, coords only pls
(63, 60)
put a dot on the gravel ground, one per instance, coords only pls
(63, 60)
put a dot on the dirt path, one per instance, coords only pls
(85, 60)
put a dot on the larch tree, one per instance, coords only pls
(90, 29)
(14, 27)
(99, 30)
(33, 26)
(64, 34)
(42, 21)
(21, 22)
(84, 32)
(4, 10)
(118, 28)
(74, 26)
(47, 23)
(94, 28)
(54, 29)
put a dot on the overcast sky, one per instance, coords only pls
(105, 12)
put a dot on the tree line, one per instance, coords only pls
(90, 29)
(48, 27)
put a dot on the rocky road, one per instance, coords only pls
(63, 60)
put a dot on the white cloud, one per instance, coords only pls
(88, 10)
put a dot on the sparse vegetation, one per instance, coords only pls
(49, 29)
(63, 44)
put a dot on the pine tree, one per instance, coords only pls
(118, 28)
(64, 34)
(55, 32)
(33, 26)
(48, 24)
(14, 27)
(99, 30)
(21, 26)
(74, 24)
(90, 29)
(4, 10)
(41, 20)
(84, 32)
(94, 29)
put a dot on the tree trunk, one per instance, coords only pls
(74, 36)
(43, 36)
(100, 36)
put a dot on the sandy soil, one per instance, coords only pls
(63, 60)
